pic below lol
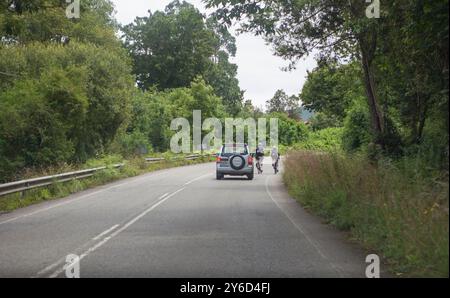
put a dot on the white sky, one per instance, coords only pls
(259, 71)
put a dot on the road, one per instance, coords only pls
(178, 222)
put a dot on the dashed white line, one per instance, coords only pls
(105, 232)
(62, 260)
(106, 239)
(96, 246)
(49, 267)
(78, 198)
(196, 179)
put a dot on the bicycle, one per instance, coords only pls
(259, 164)
(276, 166)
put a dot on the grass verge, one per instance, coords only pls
(393, 209)
(133, 167)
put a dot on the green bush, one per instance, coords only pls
(134, 143)
(356, 128)
(66, 103)
(328, 139)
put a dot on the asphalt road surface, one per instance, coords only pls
(178, 222)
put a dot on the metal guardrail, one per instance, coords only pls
(154, 160)
(24, 185)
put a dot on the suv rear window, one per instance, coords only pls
(229, 150)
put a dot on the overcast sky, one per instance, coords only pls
(259, 71)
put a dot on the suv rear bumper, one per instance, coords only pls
(229, 171)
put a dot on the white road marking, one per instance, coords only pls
(301, 230)
(63, 260)
(105, 232)
(161, 200)
(79, 198)
(49, 267)
(196, 179)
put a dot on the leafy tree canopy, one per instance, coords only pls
(24, 21)
(283, 103)
(171, 48)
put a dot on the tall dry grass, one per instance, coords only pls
(394, 209)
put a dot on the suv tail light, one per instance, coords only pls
(219, 159)
(250, 160)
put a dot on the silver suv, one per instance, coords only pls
(235, 160)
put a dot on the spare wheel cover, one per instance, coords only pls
(237, 162)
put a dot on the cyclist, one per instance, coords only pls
(275, 159)
(259, 158)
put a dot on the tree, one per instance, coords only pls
(356, 126)
(65, 85)
(291, 131)
(222, 74)
(282, 103)
(414, 65)
(277, 102)
(337, 28)
(331, 89)
(321, 121)
(153, 111)
(86, 90)
(46, 21)
(171, 48)
(149, 124)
